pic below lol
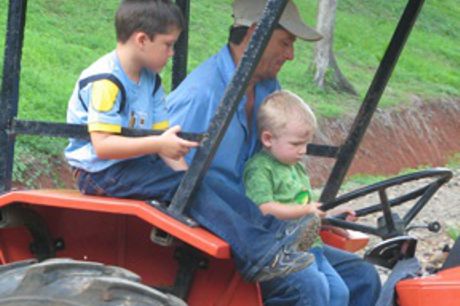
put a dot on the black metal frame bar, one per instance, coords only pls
(9, 94)
(386, 208)
(348, 149)
(179, 69)
(322, 150)
(66, 130)
(233, 94)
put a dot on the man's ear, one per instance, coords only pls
(249, 33)
(266, 139)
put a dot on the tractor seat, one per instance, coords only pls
(198, 237)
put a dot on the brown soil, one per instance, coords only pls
(423, 134)
(63, 179)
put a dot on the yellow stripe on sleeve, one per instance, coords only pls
(104, 127)
(104, 95)
(162, 125)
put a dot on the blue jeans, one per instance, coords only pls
(317, 285)
(361, 277)
(254, 238)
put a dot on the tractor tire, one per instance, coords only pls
(67, 282)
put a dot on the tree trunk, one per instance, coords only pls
(324, 59)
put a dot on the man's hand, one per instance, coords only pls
(351, 214)
(176, 165)
(172, 146)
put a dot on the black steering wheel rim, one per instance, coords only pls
(440, 176)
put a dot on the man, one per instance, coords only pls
(193, 104)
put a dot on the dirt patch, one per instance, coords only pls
(54, 174)
(423, 134)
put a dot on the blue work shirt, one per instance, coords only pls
(193, 104)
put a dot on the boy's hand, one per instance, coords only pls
(173, 146)
(316, 209)
(351, 214)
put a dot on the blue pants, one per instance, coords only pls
(254, 238)
(361, 277)
(322, 284)
(319, 284)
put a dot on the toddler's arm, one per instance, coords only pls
(295, 211)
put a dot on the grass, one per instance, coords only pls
(453, 231)
(454, 161)
(63, 37)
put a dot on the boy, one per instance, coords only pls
(277, 182)
(123, 89)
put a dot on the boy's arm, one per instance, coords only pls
(294, 211)
(168, 144)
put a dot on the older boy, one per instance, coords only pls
(123, 89)
(277, 182)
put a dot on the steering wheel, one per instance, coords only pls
(390, 225)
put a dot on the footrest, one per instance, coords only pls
(351, 241)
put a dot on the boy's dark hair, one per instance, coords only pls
(149, 16)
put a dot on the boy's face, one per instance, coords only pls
(156, 52)
(289, 145)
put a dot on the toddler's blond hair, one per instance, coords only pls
(281, 107)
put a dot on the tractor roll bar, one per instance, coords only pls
(26, 127)
(179, 68)
(348, 149)
(9, 94)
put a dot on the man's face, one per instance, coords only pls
(280, 49)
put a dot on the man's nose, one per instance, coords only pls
(289, 54)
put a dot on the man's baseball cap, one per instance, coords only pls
(248, 12)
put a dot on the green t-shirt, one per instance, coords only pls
(268, 180)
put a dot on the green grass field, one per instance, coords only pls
(64, 36)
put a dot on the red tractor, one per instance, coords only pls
(84, 247)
